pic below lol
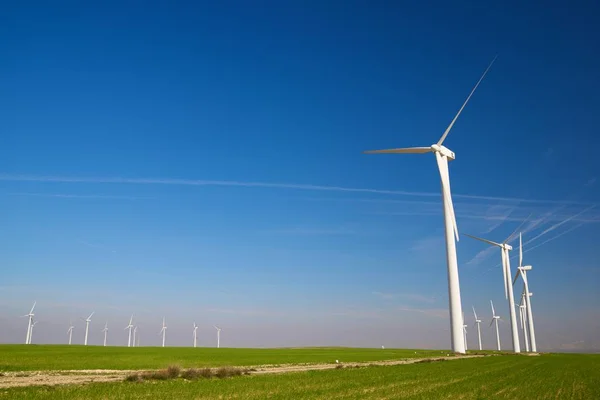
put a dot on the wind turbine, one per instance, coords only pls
(87, 327)
(443, 155)
(70, 331)
(495, 318)
(478, 323)
(218, 336)
(31, 331)
(129, 327)
(134, 336)
(508, 289)
(30, 315)
(105, 330)
(164, 332)
(465, 331)
(523, 321)
(522, 270)
(195, 334)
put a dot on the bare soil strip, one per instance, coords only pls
(74, 377)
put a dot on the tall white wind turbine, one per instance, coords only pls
(105, 330)
(521, 306)
(31, 333)
(30, 315)
(522, 270)
(477, 322)
(464, 331)
(129, 326)
(164, 332)
(443, 155)
(87, 327)
(508, 289)
(218, 336)
(70, 331)
(495, 319)
(195, 334)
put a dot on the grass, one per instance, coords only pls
(63, 357)
(564, 376)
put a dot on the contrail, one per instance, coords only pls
(193, 182)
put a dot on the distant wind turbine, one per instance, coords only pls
(522, 270)
(218, 336)
(464, 331)
(129, 326)
(521, 306)
(105, 330)
(30, 315)
(195, 334)
(87, 327)
(477, 322)
(443, 155)
(508, 289)
(135, 334)
(70, 331)
(495, 319)
(164, 332)
(31, 333)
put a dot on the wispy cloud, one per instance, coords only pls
(407, 296)
(199, 182)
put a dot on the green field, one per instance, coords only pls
(563, 376)
(63, 357)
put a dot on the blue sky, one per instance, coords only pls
(203, 162)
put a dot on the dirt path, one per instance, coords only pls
(73, 377)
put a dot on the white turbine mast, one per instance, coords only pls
(218, 336)
(443, 155)
(521, 306)
(163, 331)
(495, 319)
(87, 327)
(135, 336)
(478, 323)
(105, 330)
(464, 331)
(522, 270)
(129, 326)
(31, 333)
(195, 334)
(30, 315)
(508, 289)
(70, 331)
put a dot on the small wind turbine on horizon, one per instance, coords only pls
(218, 336)
(129, 326)
(478, 323)
(164, 332)
(464, 330)
(443, 155)
(495, 318)
(30, 315)
(521, 306)
(87, 327)
(70, 331)
(522, 270)
(135, 335)
(105, 330)
(508, 289)
(31, 333)
(195, 334)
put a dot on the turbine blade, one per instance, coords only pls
(405, 150)
(34, 303)
(504, 273)
(520, 250)
(492, 321)
(474, 313)
(508, 239)
(445, 178)
(483, 240)
(465, 103)
(516, 276)
(493, 311)
(91, 315)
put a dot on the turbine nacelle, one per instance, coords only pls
(443, 150)
(525, 268)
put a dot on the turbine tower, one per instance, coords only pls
(496, 319)
(478, 323)
(87, 327)
(443, 155)
(129, 327)
(70, 331)
(30, 315)
(195, 334)
(465, 331)
(522, 270)
(508, 289)
(521, 306)
(105, 330)
(218, 336)
(164, 332)
(31, 332)
(135, 334)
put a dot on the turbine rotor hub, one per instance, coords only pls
(443, 150)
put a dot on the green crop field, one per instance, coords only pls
(63, 357)
(563, 376)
